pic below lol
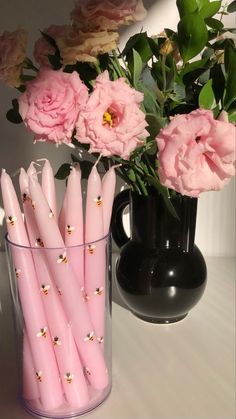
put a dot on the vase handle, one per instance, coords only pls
(117, 227)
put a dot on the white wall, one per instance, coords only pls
(216, 214)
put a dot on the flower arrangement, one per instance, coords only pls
(163, 109)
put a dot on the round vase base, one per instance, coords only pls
(160, 320)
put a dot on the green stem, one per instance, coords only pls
(124, 62)
(142, 186)
(97, 67)
(116, 59)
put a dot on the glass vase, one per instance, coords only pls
(62, 326)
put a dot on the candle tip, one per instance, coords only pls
(3, 170)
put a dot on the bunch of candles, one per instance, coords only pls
(61, 283)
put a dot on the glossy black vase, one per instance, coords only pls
(160, 273)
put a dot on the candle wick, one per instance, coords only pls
(41, 160)
(98, 160)
(36, 164)
(116, 166)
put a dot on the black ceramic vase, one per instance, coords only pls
(161, 274)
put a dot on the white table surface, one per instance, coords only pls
(180, 371)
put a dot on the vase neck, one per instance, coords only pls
(153, 225)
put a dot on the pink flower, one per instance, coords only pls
(106, 14)
(51, 105)
(112, 122)
(77, 45)
(42, 48)
(196, 152)
(12, 56)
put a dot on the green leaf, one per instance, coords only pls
(26, 77)
(50, 40)
(138, 67)
(13, 114)
(139, 42)
(232, 116)
(192, 35)
(218, 82)
(232, 7)
(210, 9)
(55, 61)
(214, 23)
(86, 167)
(185, 7)
(131, 175)
(202, 3)
(150, 101)
(154, 181)
(155, 123)
(189, 67)
(230, 68)
(63, 171)
(192, 71)
(206, 97)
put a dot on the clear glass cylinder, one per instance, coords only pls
(62, 310)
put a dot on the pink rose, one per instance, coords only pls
(196, 153)
(106, 14)
(12, 56)
(42, 48)
(51, 105)
(77, 45)
(112, 122)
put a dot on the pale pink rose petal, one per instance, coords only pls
(107, 14)
(51, 105)
(196, 152)
(112, 122)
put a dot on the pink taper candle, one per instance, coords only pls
(48, 186)
(108, 193)
(95, 256)
(72, 298)
(46, 371)
(30, 385)
(69, 364)
(62, 216)
(74, 228)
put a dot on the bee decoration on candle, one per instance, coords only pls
(70, 229)
(84, 294)
(98, 200)
(33, 204)
(39, 376)
(59, 291)
(87, 371)
(42, 333)
(51, 215)
(91, 248)
(98, 291)
(69, 377)
(89, 337)
(100, 339)
(56, 341)
(17, 272)
(25, 198)
(62, 258)
(11, 220)
(39, 242)
(45, 289)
